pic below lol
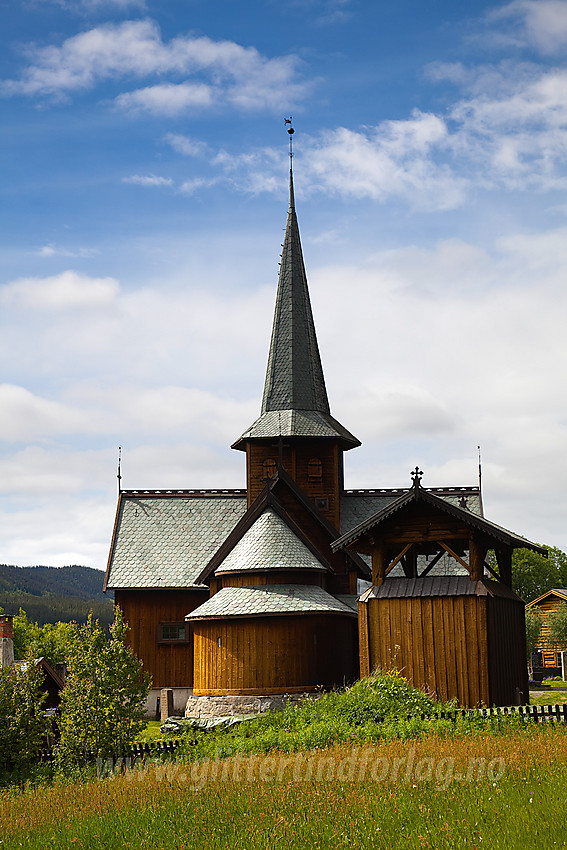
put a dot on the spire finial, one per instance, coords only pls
(119, 475)
(291, 131)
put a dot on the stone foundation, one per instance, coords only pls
(206, 708)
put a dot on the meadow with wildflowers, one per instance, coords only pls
(346, 770)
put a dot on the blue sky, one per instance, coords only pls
(144, 195)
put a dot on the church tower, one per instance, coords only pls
(295, 429)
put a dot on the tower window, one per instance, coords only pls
(269, 468)
(314, 469)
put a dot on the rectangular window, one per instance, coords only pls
(173, 632)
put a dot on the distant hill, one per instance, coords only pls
(51, 594)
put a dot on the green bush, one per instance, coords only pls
(102, 704)
(381, 707)
(23, 725)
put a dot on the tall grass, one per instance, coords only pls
(166, 809)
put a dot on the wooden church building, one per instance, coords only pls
(254, 591)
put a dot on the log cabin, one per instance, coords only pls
(548, 659)
(251, 591)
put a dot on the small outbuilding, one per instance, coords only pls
(548, 656)
(454, 636)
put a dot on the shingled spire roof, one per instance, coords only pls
(295, 402)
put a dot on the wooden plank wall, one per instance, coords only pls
(270, 655)
(296, 457)
(438, 643)
(169, 664)
(507, 651)
(251, 579)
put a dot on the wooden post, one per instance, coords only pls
(378, 563)
(477, 554)
(504, 559)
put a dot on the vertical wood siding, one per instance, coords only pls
(296, 457)
(507, 650)
(273, 654)
(439, 644)
(169, 664)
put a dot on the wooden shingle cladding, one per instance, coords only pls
(449, 637)
(547, 603)
(170, 664)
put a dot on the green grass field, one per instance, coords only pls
(424, 793)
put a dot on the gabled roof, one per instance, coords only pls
(271, 544)
(560, 592)
(270, 600)
(294, 403)
(165, 539)
(267, 498)
(419, 494)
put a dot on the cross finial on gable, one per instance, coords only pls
(416, 476)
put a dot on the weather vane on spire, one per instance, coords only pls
(291, 131)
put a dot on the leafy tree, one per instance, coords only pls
(23, 726)
(50, 640)
(102, 705)
(534, 622)
(557, 621)
(533, 574)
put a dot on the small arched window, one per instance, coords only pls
(314, 469)
(269, 468)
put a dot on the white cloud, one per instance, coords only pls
(66, 291)
(52, 250)
(26, 416)
(167, 98)
(538, 23)
(148, 180)
(186, 145)
(238, 76)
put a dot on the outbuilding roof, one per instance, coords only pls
(420, 494)
(270, 600)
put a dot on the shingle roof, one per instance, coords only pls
(403, 588)
(269, 544)
(269, 600)
(418, 493)
(360, 505)
(298, 423)
(166, 541)
(295, 385)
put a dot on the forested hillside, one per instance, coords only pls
(53, 594)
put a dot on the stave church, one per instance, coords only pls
(296, 583)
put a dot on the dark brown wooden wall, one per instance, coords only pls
(271, 655)
(507, 651)
(169, 664)
(296, 457)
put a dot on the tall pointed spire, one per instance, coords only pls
(294, 403)
(294, 375)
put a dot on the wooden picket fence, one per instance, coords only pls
(527, 713)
